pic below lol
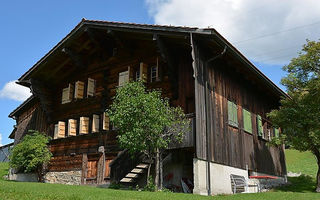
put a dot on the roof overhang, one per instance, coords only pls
(152, 29)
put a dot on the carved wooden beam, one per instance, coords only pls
(75, 57)
(170, 59)
(40, 90)
(106, 45)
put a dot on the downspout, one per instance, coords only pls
(207, 121)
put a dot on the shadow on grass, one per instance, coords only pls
(301, 184)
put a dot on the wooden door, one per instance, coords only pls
(107, 168)
(92, 169)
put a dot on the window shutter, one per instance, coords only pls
(91, 87)
(259, 125)
(79, 90)
(235, 114)
(67, 94)
(143, 72)
(247, 121)
(232, 114)
(123, 78)
(276, 132)
(72, 127)
(154, 74)
(106, 122)
(56, 130)
(95, 123)
(84, 125)
(61, 129)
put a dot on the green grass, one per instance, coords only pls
(304, 162)
(301, 188)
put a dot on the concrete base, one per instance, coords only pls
(22, 177)
(220, 182)
(200, 177)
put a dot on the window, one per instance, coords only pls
(143, 72)
(260, 126)
(79, 90)
(232, 114)
(247, 123)
(91, 87)
(154, 74)
(84, 125)
(106, 122)
(137, 75)
(95, 123)
(72, 127)
(59, 130)
(67, 94)
(123, 78)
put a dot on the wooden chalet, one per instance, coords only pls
(225, 96)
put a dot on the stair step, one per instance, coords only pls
(132, 175)
(126, 180)
(142, 166)
(137, 171)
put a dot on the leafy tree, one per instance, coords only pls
(31, 153)
(146, 122)
(299, 115)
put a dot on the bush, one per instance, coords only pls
(31, 153)
(151, 187)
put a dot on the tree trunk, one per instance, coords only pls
(317, 154)
(160, 171)
(148, 173)
(156, 179)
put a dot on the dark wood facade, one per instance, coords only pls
(102, 50)
(219, 79)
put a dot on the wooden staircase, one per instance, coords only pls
(135, 173)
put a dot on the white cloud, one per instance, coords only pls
(240, 20)
(13, 91)
(0, 140)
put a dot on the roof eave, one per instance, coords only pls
(249, 64)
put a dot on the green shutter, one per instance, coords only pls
(259, 125)
(235, 114)
(276, 132)
(247, 121)
(232, 114)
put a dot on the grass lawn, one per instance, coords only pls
(302, 187)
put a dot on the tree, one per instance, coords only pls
(299, 114)
(31, 154)
(146, 122)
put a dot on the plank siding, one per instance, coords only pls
(233, 146)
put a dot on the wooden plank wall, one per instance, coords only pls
(200, 108)
(67, 152)
(233, 146)
(33, 118)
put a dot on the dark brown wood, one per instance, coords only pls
(101, 165)
(84, 168)
(185, 78)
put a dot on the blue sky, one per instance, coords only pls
(29, 29)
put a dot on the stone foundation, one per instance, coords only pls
(67, 177)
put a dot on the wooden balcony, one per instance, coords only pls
(189, 137)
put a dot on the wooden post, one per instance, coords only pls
(84, 168)
(101, 165)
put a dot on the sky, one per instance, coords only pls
(268, 32)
